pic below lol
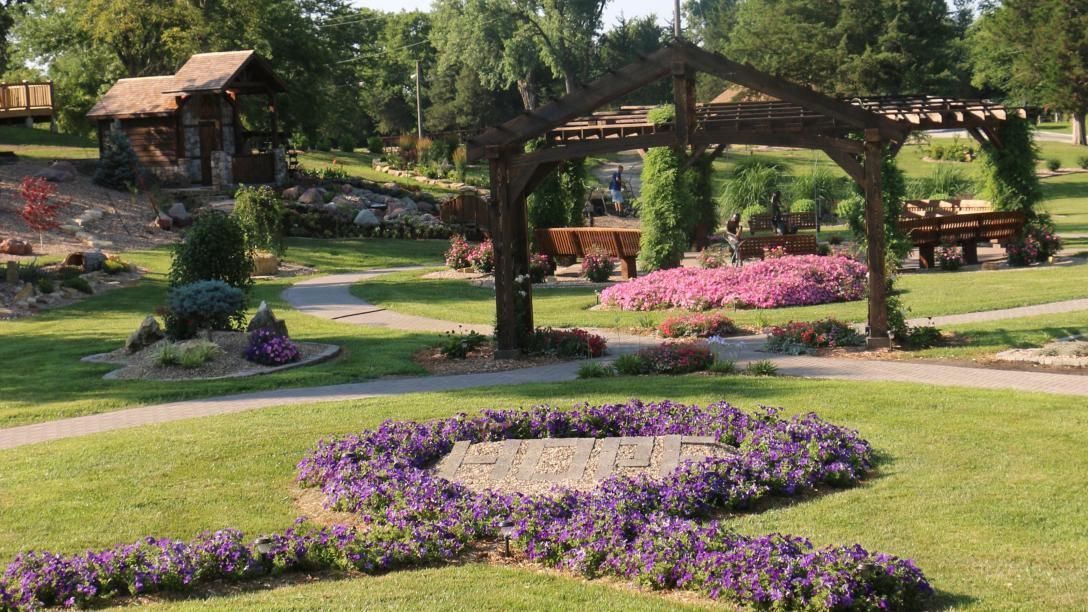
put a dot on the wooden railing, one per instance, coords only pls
(26, 99)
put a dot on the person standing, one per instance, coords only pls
(615, 185)
(777, 220)
(733, 231)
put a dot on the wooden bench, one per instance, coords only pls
(754, 247)
(967, 230)
(577, 241)
(762, 222)
(914, 209)
(469, 211)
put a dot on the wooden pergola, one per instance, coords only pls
(573, 128)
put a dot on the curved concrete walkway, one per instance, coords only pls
(330, 297)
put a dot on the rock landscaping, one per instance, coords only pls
(29, 288)
(1070, 352)
(362, 209)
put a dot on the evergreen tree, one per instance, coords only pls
(118, 165)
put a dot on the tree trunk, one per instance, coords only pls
(1079, 137)
(527, 89)
(569, 81)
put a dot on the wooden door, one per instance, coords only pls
(209, 141)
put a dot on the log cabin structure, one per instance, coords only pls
(187, 127)
(855, 133)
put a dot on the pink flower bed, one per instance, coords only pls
(772, 283)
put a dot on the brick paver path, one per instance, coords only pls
(329, 297)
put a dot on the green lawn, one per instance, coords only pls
(1066, 199)
(984, 489)
(44, 379)
(928, 294)
(1061, 126)
(358, 164)
(983, 340)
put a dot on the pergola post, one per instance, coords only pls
(513, 291)
(874, 230)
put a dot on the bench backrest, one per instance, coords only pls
(795, 244)
(577, 241)
(962, 227)
(762, 221)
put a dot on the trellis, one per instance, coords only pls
(572, 127)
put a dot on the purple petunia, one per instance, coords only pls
(266, 347)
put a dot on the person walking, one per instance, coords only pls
(733, 231)
(615, 185)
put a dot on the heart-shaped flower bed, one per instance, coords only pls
(642, 528)
(659, 532)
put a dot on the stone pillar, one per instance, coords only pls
(279, 166)
(222, 171)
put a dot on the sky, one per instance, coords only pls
(612, 10)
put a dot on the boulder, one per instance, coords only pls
(366, 218)
(428, 219)
(347, 200)
(312, 196)
(409, 204)
(346, 188)
(147, 334)
(13, 246)
(426, 207)
(180, 215)
(291, 193)
(264, 319)
(93, 260)
(58, 172)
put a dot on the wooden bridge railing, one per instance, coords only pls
(26, 99)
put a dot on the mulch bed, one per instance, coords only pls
(229, 363)
(479, 361)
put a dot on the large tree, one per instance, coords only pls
(1037, 51)
(849, 47)
(625, 43)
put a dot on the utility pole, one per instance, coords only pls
(419, 110)
(676, 20)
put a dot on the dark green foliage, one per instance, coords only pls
(762, 367)
(45, 285)
(821, 186)
(259, 211)
(558, 200)
(204, 305)
(1008, 174)
(214, 248)
(1053, 164)
(346, 143)
(706, 208)
(78, 283)
(1082, 161)
(375, 145)
(666, 208)
(118, 165)
(596, 370)
(897, 246)
(458, 346)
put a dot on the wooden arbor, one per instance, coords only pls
(797, 117)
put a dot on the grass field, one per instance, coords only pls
(928, 294)
(984, 489)
(44, 378)
(983, 340)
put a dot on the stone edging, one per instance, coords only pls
(330, 352)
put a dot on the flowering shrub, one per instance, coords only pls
(640, 528)
(266, 347)
(483, 257)
(1037, 243)
(948, 257)
(597, 266)
(797, 336)
(566, 343)
(459, 255)
(540, 266)
(716, 256)
(774, 252)
(667, 358)
(772, 283)
(697, 324)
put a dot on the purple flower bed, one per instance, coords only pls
(266, 347)
(650, 530)
(771, 283)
